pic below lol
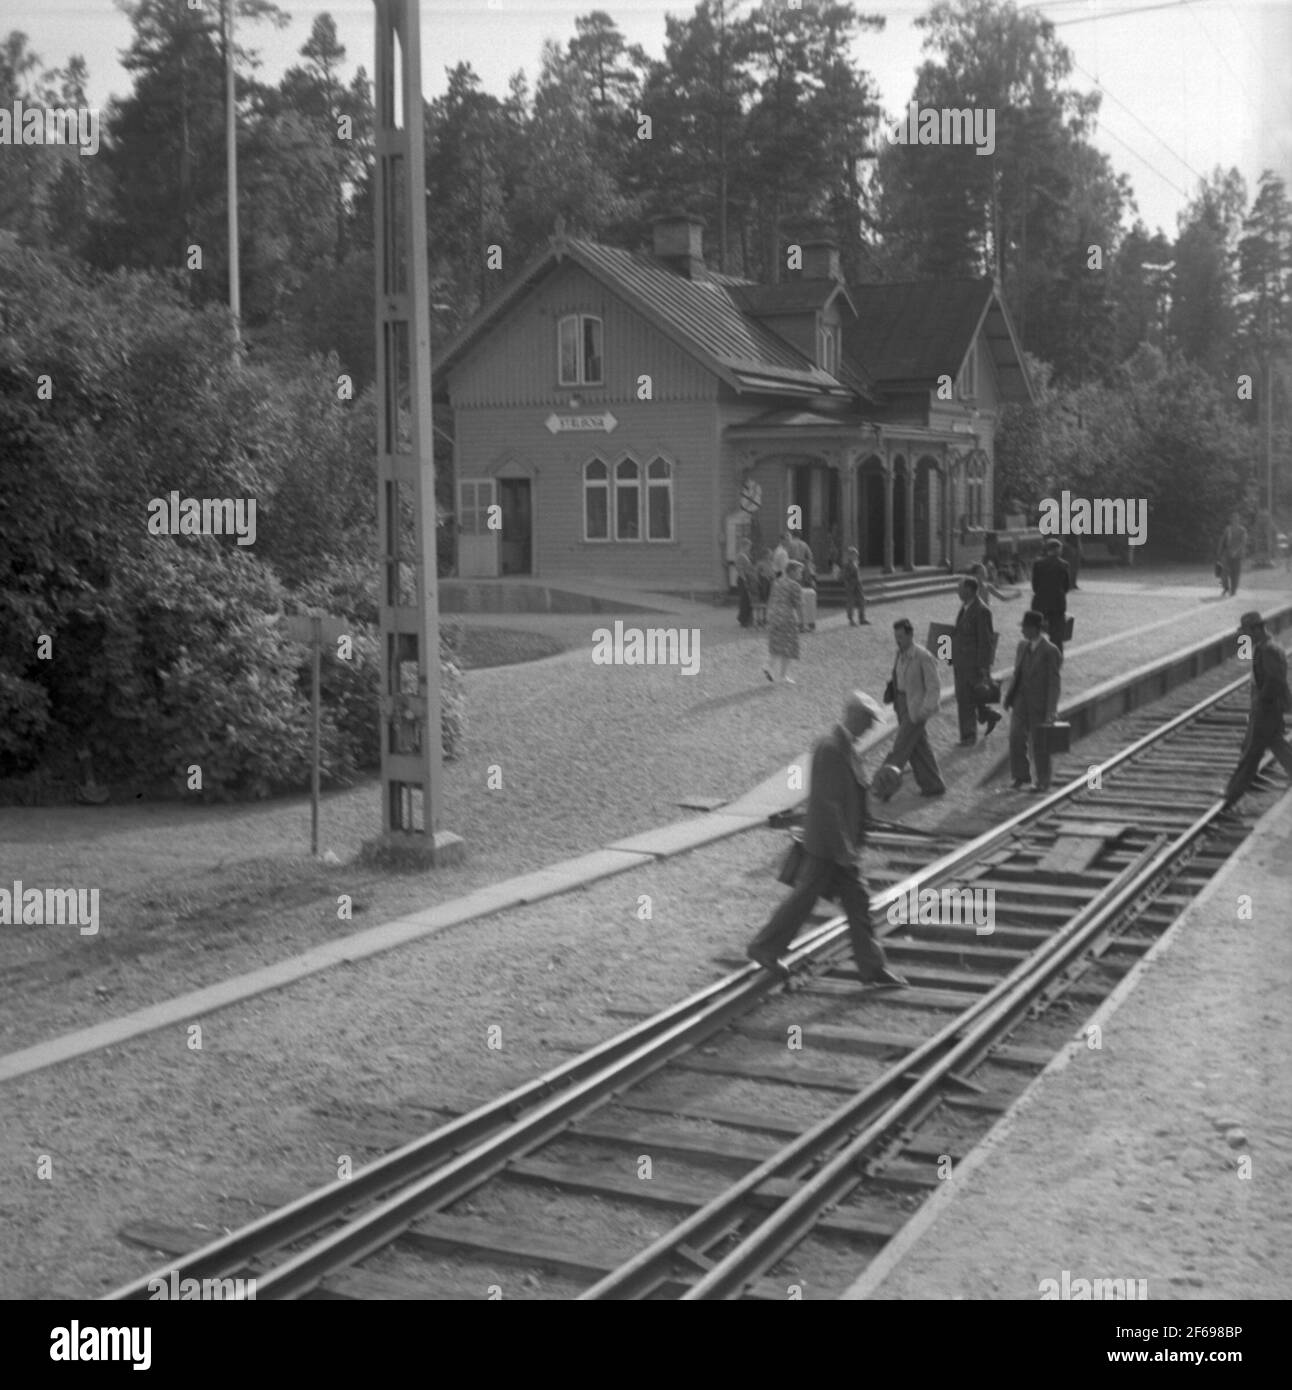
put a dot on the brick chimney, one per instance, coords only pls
(678, 242)
(821, 260)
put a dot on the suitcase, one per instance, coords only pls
(1058, 736)
(809, 607)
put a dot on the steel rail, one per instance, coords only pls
(231, 1253)
(650, 1267)
(796, 1216)
(432, 1167)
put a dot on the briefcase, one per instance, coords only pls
(809, 607)
(987, 692)
(1067, 629)
(936, 632)
(792, 863)
(1057, 736)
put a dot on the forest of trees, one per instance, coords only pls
(757, 117)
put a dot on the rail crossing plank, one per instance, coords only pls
(1073, 854)
(792, 1073)
(658, 1191)
(713, 1111)
(438, 1233)
(872, 1042)
(661, 1138)
(941, 1000)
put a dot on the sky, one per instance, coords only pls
(1188, 84)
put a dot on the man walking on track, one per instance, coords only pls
(971, 656)
(1230, 552)
(1050, 584)
(916, 693)
(1034, 698)
(832, 838)
(1271, 700)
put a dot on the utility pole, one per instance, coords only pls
(412, 792)
(231, 162)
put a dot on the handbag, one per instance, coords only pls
(987, 692)
(792, 863)
(890, 690)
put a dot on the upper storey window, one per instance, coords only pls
(969, 375)
(827, 348)
(579, 350)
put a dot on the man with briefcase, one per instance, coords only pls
(973, 646)
(1034, 700)
(832, 838)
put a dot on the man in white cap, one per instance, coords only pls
(832, 838)
(1271, 700)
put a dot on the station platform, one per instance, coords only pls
(1163, 1156)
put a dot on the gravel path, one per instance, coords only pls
(346, 1062)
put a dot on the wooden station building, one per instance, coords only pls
(633, 415)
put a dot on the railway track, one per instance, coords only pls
(765, 1141)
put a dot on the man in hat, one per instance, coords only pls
(1034, 699)
(972, 646)
(1050, 584)
(1271, 700)
(832, 838)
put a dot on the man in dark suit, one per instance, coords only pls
(1050, 584)
(832, 840)
(1034, 699)
(971, 656)
(1271, 700)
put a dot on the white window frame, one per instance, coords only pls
(580, 377)
(639, 487)
(969, 375)
(827, 348)
(604, 484)
(666, 484)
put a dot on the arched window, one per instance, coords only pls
(628, 500)
(659, 500)
(827, 348)
(596, 501)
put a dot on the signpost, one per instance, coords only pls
(313, 630)
(566, 424)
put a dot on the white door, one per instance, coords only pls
(477, 544)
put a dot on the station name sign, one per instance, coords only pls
(567, 424)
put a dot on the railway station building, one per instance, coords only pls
(634, 415)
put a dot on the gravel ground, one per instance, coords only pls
(350, 1061)
(1126, 1164)
(193, 894)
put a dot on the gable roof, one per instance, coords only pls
(912, 332)
(705, 317)
(799, 296)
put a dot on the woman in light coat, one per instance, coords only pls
(784, 614)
